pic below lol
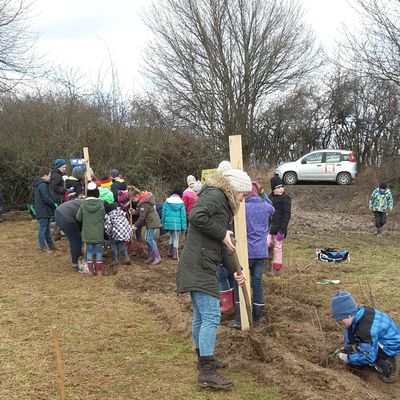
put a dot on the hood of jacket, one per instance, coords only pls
(175, 202)
(38, 181)
(146, 197)
(92, 204)
(218, 181)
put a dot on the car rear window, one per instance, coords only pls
(334, 157)
(346, 157)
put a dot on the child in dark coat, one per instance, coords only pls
(279, 224)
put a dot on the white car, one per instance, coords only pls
(321, 165)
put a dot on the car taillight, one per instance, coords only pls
(352, 158)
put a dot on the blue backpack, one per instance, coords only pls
(329, 254)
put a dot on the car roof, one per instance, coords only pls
(330, 151)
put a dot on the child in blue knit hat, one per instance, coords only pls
(370, 337)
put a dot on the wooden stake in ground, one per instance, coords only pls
(55, 334)
(235, 150)
(88, 176)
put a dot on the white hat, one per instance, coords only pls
(190, 179)
(224, 166)
(240, 181)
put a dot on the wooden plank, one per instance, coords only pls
(236, 158)
(88, 177)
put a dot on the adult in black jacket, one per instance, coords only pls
(117, 183)
(44, 207)
(57, 185)
(279, 224)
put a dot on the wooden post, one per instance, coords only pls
(55, 333)
(235, 150)
(88, 177)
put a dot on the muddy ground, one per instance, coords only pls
(298, 333)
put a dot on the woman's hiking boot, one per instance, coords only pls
(218, 363)
(208, 376)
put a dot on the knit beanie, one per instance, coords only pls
(104, 182)
(190, 179)
(224, 166)
(343, 306)
(240, 181)
(114, 173)
(92, 190)
(383, 185)
(59, 162)
(276, 181)
(77, 173)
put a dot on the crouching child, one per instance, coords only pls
(370, 337)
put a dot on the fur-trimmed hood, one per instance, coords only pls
(218, 181)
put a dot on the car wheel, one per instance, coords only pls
(290, 178)
(344, 178)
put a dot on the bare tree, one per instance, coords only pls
(216, 61)
(375, 47)
(16, 43)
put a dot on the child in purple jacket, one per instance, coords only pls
(258, 212)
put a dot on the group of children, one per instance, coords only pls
(111, 210)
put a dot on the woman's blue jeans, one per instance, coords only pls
(94, 249)
(206, 318)
(44, 233)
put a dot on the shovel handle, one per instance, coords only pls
(244, 287)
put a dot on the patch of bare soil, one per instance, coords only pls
(298, 334)
(318, 210)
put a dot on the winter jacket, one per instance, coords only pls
(209, 220)
(106, 195)
(189, 199)
(57, 186)
(173, 216)
(74, 187)
(281, 217)
(117, 184)
(117, 226)
(147, 213)
(91, 213)
(258, 213)
(69, 209)
(370, 330)
(44, 203)
(381, 201)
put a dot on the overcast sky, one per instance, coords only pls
(89, 34)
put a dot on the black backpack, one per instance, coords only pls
(329, 254)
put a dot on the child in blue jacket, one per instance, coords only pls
(174, 220)
(370, 336)
(380, 203)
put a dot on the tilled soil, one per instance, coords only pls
(298, 334)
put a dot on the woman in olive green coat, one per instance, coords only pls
(208, 244)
